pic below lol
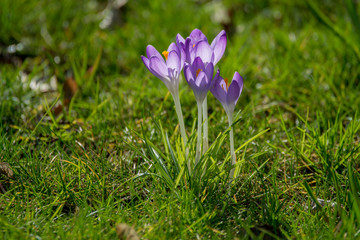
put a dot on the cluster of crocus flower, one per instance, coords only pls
(197, 58)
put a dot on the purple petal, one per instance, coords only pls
(174, 62)
(201, 80)
(204, 51)
(218, 92)
(196, 65)
(180, 42)
(196, 36)
(188, 75)
(183, 57)
(158, 68)
(201, 87)
(180, 39)
(151, 52)
(173, 47)
(233, 93)
(189, 51)
(209, 71)
(216, 79)
(219, 45)
(237, 78)
(146, 62)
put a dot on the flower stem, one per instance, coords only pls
(205, 118)
(232, 150)
(181, 120)
(198, 145)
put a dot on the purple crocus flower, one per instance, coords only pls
(167, 70)
(199, 77)
(217, 47)
(197, 45)
(227, 94)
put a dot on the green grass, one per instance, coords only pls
(114, 154)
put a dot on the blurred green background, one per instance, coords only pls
(281, 48)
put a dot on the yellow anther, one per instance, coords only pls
(193, 45)
(166, 54)
(227, 84)
(198, 71)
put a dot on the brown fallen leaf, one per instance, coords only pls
(125, 232)
(6, 170)
(58, 109)
(70, 88)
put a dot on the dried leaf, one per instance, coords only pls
(70, 88)
(125, 232)
(6, 170)
(58, 109)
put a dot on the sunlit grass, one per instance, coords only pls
(113, 154)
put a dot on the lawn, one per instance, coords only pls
(90, 138)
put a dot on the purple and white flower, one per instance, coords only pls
(215, 50)
(199, 77)
(227, 94)
(167, 70)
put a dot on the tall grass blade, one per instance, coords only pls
(311, 194)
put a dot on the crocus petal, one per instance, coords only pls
(180, 42)
(151, 52)
(216, 79)
(174, 62)
(233, 93)
(183, 57)
(209, 71)
(180, 39)
(219, 45)
(188, 74)
(196, 65)
(237, 78)
(201, 80)
(158, 68)
(173, 47)
(146, 62)
(189, 77)
(196, 35)
(201, 87)
(218, 92)
(204, 51)
(189, 51)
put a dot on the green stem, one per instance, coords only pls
(181, 119)
(198, 145)
(232, 150)
(205, 118)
